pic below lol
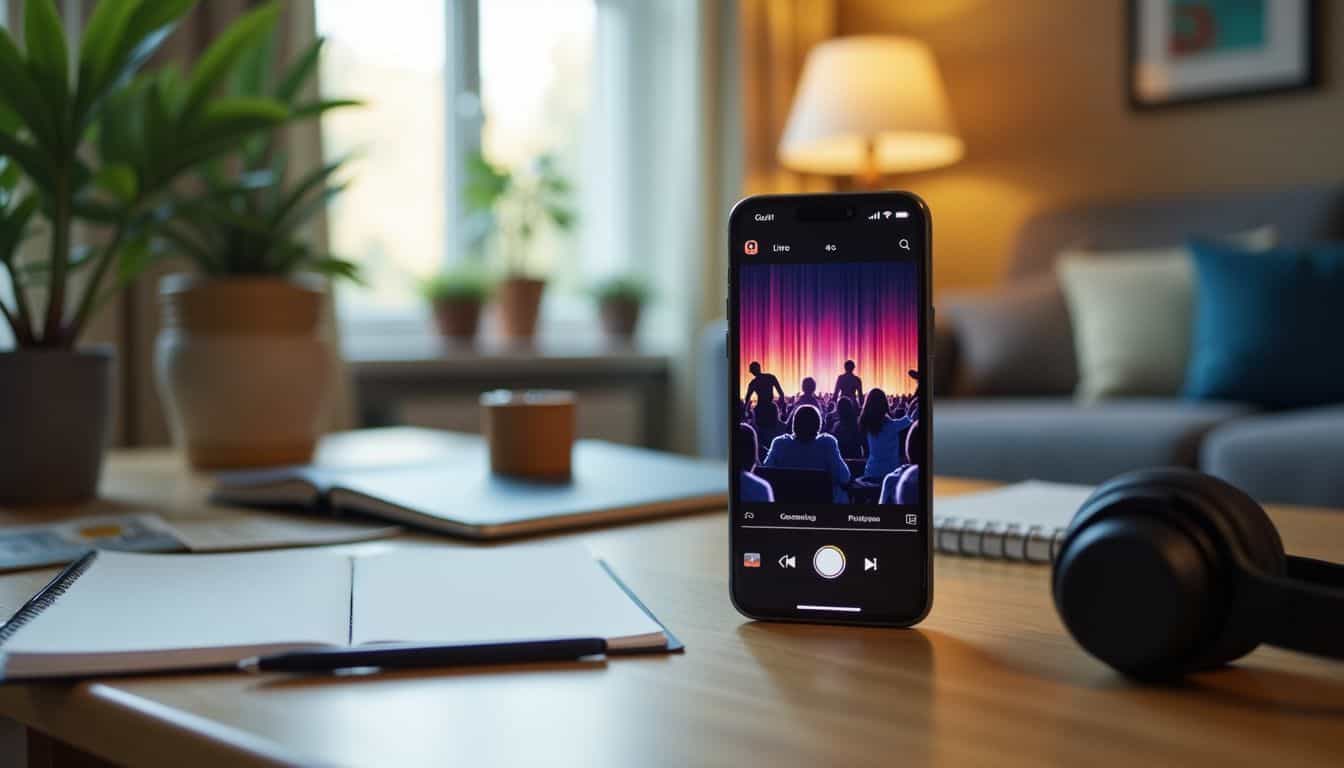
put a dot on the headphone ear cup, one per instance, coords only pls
(1177, 537)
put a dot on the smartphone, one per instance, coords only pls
(829, 317)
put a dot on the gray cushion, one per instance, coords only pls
(1302, 214)
(1062, 441)
(1015, 340)
(1295, 457)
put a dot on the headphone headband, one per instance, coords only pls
(1303, 610)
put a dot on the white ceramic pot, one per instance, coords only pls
(241, 369)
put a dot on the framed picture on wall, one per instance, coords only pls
(1185, 51)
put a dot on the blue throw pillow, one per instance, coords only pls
(1267, 325)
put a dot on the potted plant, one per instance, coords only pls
(88, 139)
(619, 300)
(239, 362)
(456, 298)
(510, 209)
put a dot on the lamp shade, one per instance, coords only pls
(868, 105)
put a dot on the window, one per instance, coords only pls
(513, 79)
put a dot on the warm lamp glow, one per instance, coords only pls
(869, 105)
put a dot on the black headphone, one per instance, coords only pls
(1169, 571)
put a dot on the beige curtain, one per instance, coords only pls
(775, 38)
(133, 322)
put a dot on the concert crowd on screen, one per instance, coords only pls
(868, 444)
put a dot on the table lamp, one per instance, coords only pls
(866, 106)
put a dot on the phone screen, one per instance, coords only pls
(829, 459)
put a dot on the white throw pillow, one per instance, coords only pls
(1132, 312)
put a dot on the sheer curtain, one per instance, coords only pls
(672, 169)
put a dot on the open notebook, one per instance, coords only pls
(136, 613)
(442, 481)
(1023, 521)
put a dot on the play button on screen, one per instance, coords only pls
(829, 562)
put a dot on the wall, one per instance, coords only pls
(1039, 91)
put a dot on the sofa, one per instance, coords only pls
(1285, 457)
(1013, 432)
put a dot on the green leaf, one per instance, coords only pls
(309, 182)
(293, 81)
(121, 127)
(133, 258)
(219, 59)
(10, 175)
(14, 227)
(254, 68)
(485, 184)
(220, 129)
(104, 29)
(22, 95)
(117, 180)
(297, 216)
(47, 56)
(562, 217)
(317, 108)
(335, 268)
(30, 159)
(119, 38)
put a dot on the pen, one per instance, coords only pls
(415, 656)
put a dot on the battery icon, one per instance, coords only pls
(902, 214)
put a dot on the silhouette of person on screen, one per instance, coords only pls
(809, 394)
(764, 385)
(849, 385)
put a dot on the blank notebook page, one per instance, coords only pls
(500, 594)
(138, 603)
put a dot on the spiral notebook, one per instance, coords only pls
(1025, 521)
(120, 613)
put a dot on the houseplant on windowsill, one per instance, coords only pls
(509, 209)
(456, 298)
(242, 370)
(98, 144)
(619, 301)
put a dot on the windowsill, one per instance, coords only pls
(422, 351)
(569, 335)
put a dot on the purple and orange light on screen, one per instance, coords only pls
(807, 319)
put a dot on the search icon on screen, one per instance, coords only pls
(904, 244)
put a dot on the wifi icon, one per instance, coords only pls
(886, 214)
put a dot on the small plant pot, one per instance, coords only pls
(242, 371)
(56, 408)
(458, 319)
(620, 318)
(519, 306)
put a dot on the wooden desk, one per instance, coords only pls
(989, 679)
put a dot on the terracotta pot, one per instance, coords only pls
(241, 369)
(519, 306)
(56, 408)
(620, 317)
(458, 319)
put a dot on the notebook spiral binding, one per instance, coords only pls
(997, 541)
(46, 596)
